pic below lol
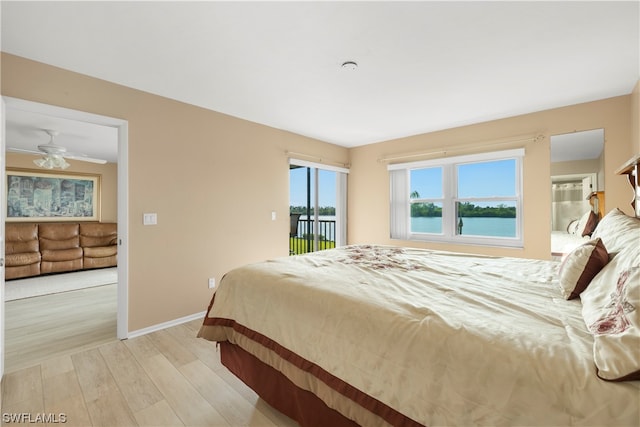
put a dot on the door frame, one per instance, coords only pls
(121, 125)
(341, 197)
(3, 204)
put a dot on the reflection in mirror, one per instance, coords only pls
(577, 186)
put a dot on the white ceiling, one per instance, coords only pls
(26, 128)
(422, 66)
(584, 145)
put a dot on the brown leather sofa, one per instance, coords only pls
(32, 249)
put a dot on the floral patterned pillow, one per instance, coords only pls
(611, 311)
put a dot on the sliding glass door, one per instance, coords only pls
(317, 202)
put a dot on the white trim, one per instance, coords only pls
(491, 155)
(123, 190)
(165, 325)
(577, 176)
(65, 113)
(400, 211)
(341, 209)
(3, 209)
(122, 322)
(308, 164)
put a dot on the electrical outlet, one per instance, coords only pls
(212, 282)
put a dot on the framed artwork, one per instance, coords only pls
(35, 196)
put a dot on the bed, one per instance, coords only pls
(577, 233)
(381, 335)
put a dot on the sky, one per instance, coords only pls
(496, 178)
(486, 179)
(298, 187)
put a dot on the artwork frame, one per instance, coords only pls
(37, 196)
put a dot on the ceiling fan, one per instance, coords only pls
(53, 155)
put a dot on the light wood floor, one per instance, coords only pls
(42, 327)
(166, 378)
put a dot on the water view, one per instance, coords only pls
(476, 226)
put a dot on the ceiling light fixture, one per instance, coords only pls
(349, 65)
(51, 161)
(53, 154)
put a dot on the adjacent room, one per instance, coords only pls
(320, 213)
(61, 248)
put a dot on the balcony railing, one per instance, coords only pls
(303, 240)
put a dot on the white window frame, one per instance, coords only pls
(400, 210)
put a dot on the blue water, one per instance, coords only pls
(494, 227)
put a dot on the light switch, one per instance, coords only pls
(150, 218)
(273, 215)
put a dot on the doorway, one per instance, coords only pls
(317, 207)
(570, 198)
(52, 115)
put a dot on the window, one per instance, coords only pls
(317, 205)
(473, 199)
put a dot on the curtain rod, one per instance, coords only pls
(445, 151)
(317, 159)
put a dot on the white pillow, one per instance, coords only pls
(580, 266)
(618, 231)
(611, 311)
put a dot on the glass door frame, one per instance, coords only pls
(341, 201)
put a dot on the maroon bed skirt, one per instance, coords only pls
(278, 391)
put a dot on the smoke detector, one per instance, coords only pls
(349, 65)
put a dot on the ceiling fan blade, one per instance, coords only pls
(84, 158)
(52, 150)
(22, 150)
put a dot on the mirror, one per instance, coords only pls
(577, 172)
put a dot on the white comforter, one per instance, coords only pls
(446, 339)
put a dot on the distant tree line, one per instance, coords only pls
(425, 209)
(323, 210)
(466, 210)
(469, 210)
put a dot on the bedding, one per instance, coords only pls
(562, 243)
(580, 267)
(578, 232)
(611, 302)
(401, 336)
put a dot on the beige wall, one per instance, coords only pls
(212, 179)
(369, 181)
(108, 179)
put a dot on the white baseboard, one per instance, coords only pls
(165, 325)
